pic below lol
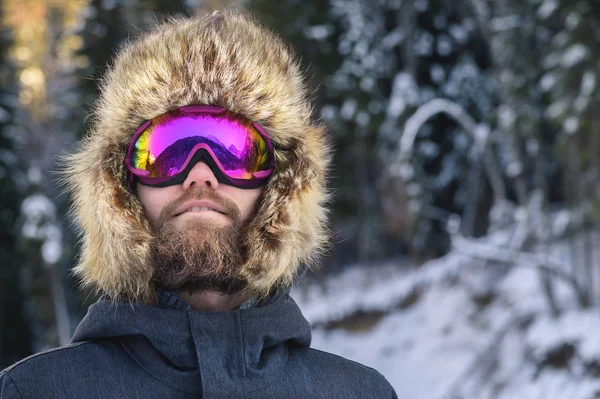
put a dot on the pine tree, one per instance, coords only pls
(105, 28)
(441, 55)
(15, 337)
(378, 62)
(571, 71)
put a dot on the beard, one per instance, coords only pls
(196, 255)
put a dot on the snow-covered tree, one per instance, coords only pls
(14, 341)
(378, 62)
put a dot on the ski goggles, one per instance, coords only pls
(164, 149)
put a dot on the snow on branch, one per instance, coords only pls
(515, 257)
(479, 132)
(426, 112)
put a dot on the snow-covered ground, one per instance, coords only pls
(459, 328)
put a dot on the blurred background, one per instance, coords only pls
(466, 181)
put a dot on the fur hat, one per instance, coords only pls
(225, 59)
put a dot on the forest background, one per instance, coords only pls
(451, 119)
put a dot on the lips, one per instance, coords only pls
(199, 206)
(199, 209)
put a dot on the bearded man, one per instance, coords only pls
(199, 193)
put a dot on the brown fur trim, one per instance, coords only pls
(225, 59)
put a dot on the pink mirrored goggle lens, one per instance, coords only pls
(164, 146)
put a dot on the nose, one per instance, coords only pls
(200, 174)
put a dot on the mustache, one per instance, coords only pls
(230, 207)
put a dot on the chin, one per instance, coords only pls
(199, 254)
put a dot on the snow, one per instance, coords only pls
(348, 109)
(423, 114)
(514, 169)
(447, 173)
(571, 125)
(109, 4)
(414, 206)
(406, 171)
(558, 108)
(432, 342)
(532, 147)
(36, 207)
(421, 5)
(8, 157)
(52, 247)
(561, 222)
(444, 45)
(438, 75)
(396, 106)
(547, 334)
(547, 8)
(423, 45)
(393, 38)
(362, 119)
(4, 115)
(548, 81)
(413, 189)
(572, 20)
(506, 23)
(318, 32)
(428, 149)
(588, 83)
(328, 112)
(574, 54)
(39, 224)
(34, 174)
(506, 116)
(361, 48)
(433, 334)
(459, 33)
(460, 141)
(367, 84)
(554, 385)
(405, 92)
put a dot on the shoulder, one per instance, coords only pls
(52, 373)
(8, 388)
(15, 379)
(53, 359)
(332, 370)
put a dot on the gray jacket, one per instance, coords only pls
(170, 351)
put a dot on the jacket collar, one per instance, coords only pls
(172, 300)
(207, 353)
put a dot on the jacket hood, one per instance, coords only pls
(178, 346)
(225, 59)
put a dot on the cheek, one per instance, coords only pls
(153, 201)
(251, 199)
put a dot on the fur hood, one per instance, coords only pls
(225, 59)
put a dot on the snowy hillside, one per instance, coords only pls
(459, 328)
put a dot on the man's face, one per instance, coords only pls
(198, 228)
